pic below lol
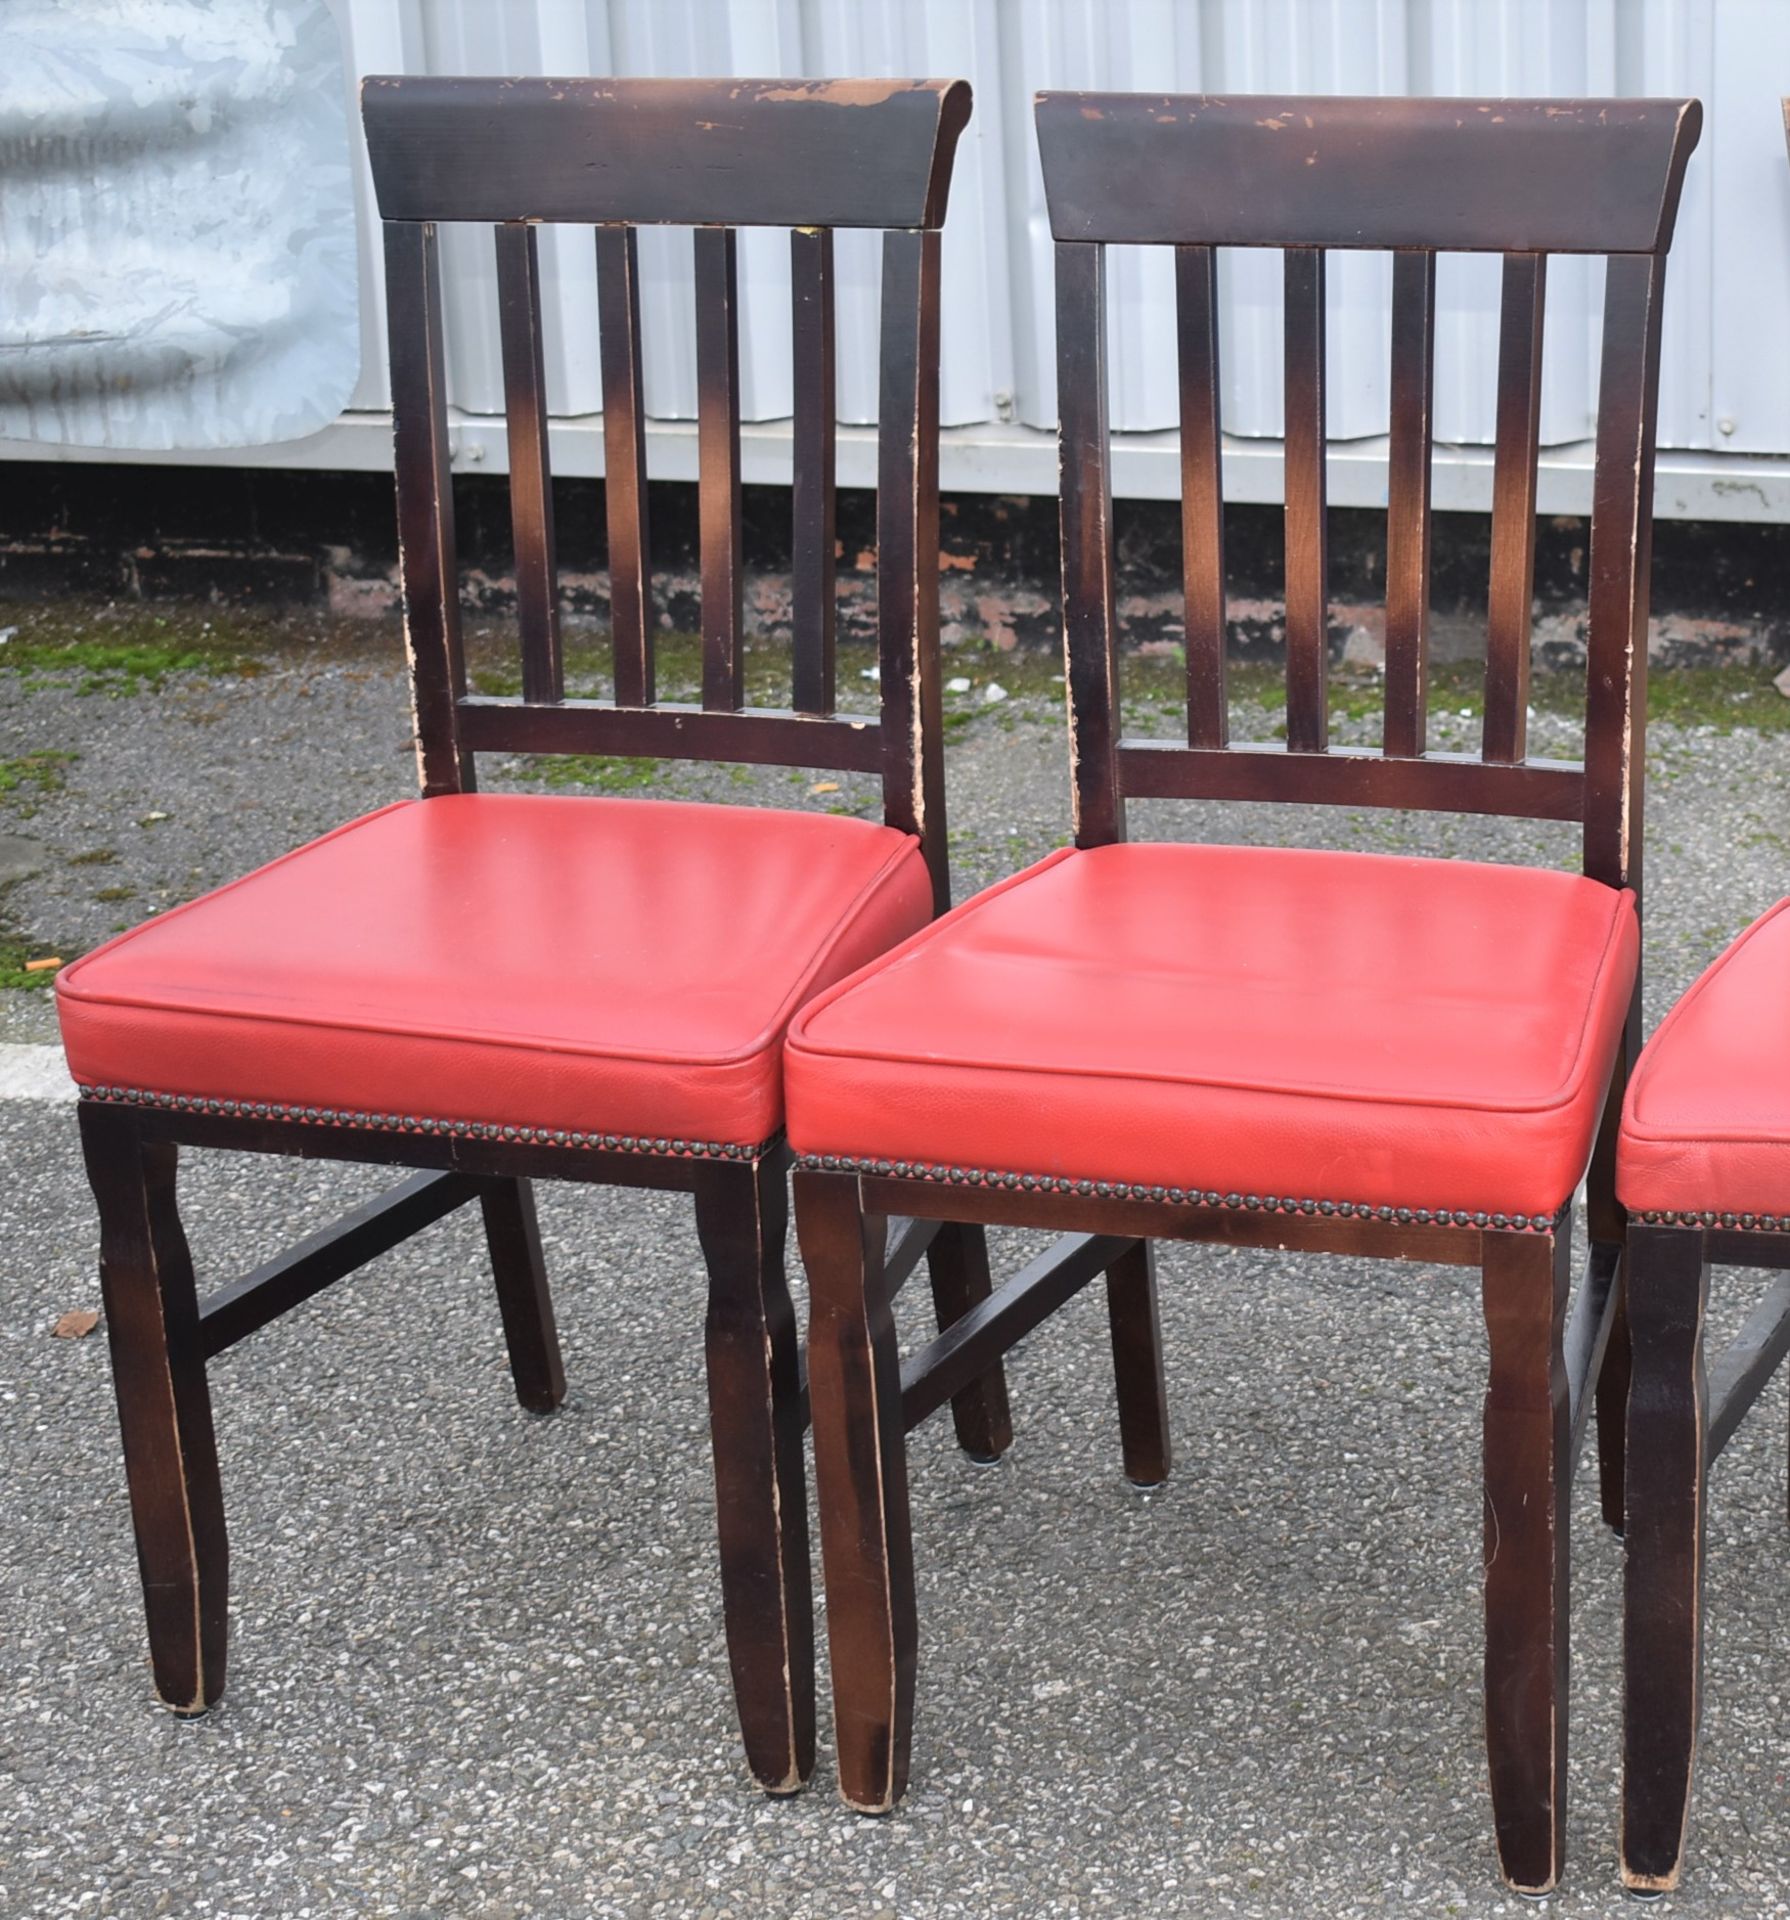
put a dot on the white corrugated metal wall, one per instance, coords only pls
(1725, 407)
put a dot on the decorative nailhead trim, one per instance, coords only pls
(1190, 1196)
(413, 1123)
(1748, 1222)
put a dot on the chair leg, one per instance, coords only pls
(860, 1457)
(957, 1262)
(1137, 1365)
(1613, 1379)
(1607, 1224)
(1527, 1506)
(514, 1236)
(164, 1407)
(1663, 1617)
(761, 1500)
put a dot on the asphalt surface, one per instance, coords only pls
(477, 1664)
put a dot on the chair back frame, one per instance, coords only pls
(717, 155)
(1519, 178)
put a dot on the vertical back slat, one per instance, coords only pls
(907, 543)
(1408, 504)
(812, 494)
(1308, 673)
(1090, 662)
(1202, 496)
(624, 465)
(426, 555)
(1621, 569)
(718, 454)
(1513, 508)
(531, 484)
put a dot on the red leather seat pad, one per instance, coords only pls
(1706, 1121)
(1419, 1033)
(581, 963)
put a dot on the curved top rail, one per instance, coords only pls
(778, 153)
(1521, 176)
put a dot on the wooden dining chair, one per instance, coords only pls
(1703, 1169)
(1353, 1053)
(495, 989)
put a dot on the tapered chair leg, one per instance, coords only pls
(164, 1407)
(755, 1417)
(520, 1270)
(1137, 1365)
(860, 1457)
(1668, 1430)
(957, 1262)
(1527, 1456)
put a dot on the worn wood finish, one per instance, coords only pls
(907, 549)
(233, 1312)
(1613, 1377)
(164, 1408)
(759, 736)
(1513, 508)
(1351, 776)
(1607, 1221)
(1527, 1513)
(813, 570)
(1621, 566)
(1202, 496)
(860, 1464)
(957, 1262)
(1137, 1365)
(718, 466)
(1358, 1236)
(531, 482)
(1530, 176)
(605, 154)
(624, 465)
(1194, 173)
(427, 563)
(970, 1345)
(1668, 1287)
(1085, 510)
(761, 1504)
(1408, 461)
(1539, 1397)
(684, 153)
(1308, 566)
(513, 1236)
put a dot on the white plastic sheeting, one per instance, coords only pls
(177, 223)
(1725, 392)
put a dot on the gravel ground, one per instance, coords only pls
(477, 1663)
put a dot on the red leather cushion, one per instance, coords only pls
(1413, 1033)
(1706, 1124)
(607, 965)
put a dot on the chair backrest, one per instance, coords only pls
(715, 155)
(1524, 178)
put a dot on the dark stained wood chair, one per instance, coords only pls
(493, 989)
(1703, 1170)
(1360, 1054)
